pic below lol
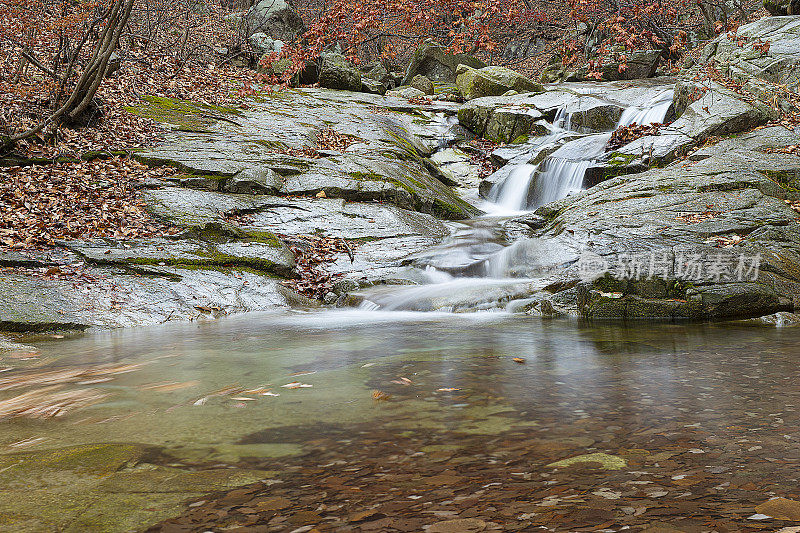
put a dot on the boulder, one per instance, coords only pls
(114, 63)
(406, 92)
(507, 125)
(492, 81)
(368, 85)
(278, 68)
(640, 64)
(434, 62)
(779, 8)
(264, 44)
(336, 72)
(743, 59)
(275, 18)
(423, 84)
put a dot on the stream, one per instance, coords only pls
(476, 268)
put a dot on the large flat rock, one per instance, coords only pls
(109, 297)
(735, 54)
(387, 161)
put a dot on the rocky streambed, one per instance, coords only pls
(693, 221)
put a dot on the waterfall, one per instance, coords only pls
(654, 112)
(558, 178)
(475, 269)
(513, 194)
(562, 173)
(563, 119)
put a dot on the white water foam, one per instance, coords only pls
(530, 186)
(652, 113)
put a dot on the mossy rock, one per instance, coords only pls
(183, 115)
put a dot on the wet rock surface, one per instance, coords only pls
(723, 207)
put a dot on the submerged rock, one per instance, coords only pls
(606, 461)
(102, 487)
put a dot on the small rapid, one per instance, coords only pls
(562, 173)
(481, 266)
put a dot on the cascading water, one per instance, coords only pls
(475, 268)
(558, 178)
(559, 175)
(654, 112)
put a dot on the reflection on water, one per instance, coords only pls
(202, 389)
(364, 399)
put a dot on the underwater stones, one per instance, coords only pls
(101, 487)
(606, 461)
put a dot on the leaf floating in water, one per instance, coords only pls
(201, 401)
(259, 390)
(243, 399)
(55, 377)
(448, 389)
(47, 403)
(303, 373)
(95, 381)
(27, 442)
(402, 381)
(519, 360)
(268, 393)
(169, 386)
(296, 385)
(380, 396)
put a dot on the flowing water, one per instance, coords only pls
(183, 386)
(477, 268)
